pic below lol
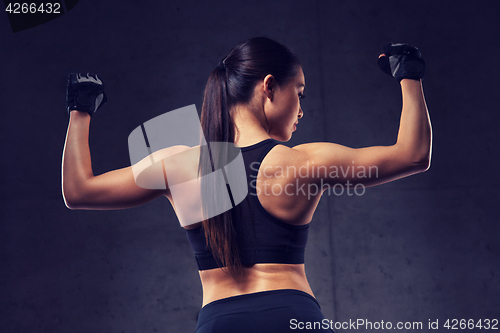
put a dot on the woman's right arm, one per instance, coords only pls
(333, 163)
(81, 189)
(377, 165)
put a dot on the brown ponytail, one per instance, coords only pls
(230, 83)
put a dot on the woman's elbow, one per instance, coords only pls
(72, 199)
(422, 164)
(70, 202)
(420, 159)
(70, 205)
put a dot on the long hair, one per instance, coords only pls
(230, 83)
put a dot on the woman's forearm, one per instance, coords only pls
(76, 162)
(415, 133)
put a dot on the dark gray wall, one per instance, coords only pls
(419, 249)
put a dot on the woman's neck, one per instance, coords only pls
(251, 125)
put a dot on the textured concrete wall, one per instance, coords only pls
(419, 249)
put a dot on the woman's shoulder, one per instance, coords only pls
(281, 157)
(284, 155)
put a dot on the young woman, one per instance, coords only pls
(251, 258)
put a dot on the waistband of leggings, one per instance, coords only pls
(260, 294)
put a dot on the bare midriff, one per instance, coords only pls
(218, 284)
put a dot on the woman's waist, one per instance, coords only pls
(219, 284)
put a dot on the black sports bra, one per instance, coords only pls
(261, 237)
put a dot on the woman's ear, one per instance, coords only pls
(269, 86)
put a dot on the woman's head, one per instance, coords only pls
(251, 61)
(233, 82)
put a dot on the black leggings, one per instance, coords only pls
(274, 311)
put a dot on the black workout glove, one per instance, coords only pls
(402, 61)
(85, 92)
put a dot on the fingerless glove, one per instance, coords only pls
(402, 61)
(85, 92)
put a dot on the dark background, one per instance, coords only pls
(418, 249)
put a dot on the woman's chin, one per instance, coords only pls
(282, 138)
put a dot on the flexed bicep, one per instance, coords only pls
(331, 164)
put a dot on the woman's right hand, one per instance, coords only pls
(402, 61)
